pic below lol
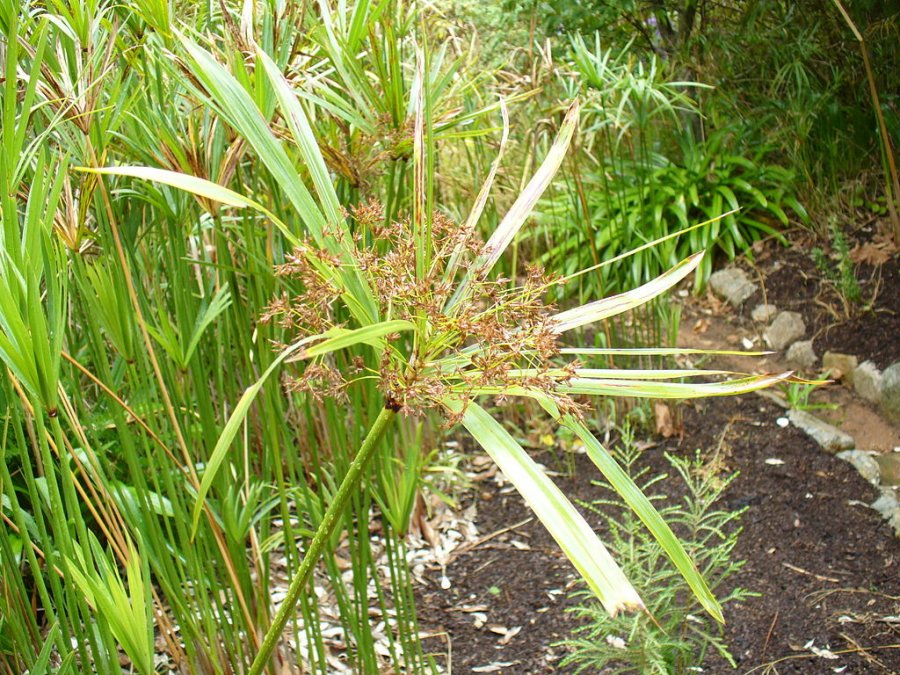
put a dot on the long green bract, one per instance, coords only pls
(568, 527)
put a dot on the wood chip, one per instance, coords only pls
(494, 667)
(469, 608)
(510, 634)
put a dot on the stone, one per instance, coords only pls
(886, 502)
(862, 462)
(829, 437)
(889, 464)
(732, 285)
(890, 393)
(801, 354)
(867, 382)
(840, 366)
(764, 313)
(889, 508)
(785, 329)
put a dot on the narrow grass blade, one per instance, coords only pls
(122, 605)
(236, 105)
(632, 495)
(196, 186)
(518, 213)
(219, 303)
(649, 244)
(570, 530)
(342, 340)
(41, 665)
(655, 351)
(304, 137)
(608, 307)
(542, 398)
(654, 389)
(420, 217)
(230, 431)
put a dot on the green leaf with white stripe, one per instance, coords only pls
(655, 389)
(570, 530)
(617, 304)
(518, 213)
(632, 495)
(195, 186)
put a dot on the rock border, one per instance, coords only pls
(785, 332)
(842, 445)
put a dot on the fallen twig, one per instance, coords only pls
(800, 570)
(793, 657)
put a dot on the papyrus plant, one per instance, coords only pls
(444, 332)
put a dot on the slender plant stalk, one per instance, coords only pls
(891, 181)
(322, 535)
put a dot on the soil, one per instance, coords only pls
(826, 566)
(792, 281)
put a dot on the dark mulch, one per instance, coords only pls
(827, 567)
(793, 282)
(804, 513)
(520, 588)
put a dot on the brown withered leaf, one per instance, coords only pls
(664, 425)
(873, 253)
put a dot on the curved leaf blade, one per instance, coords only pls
(520, 210)
(570, 530)
(366, 334)
(340, 338)
(632, 495)
(195, 186)
(230, 431)
(616, 304)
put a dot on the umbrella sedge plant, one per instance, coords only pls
(418, 290)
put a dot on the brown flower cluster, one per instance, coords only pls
(496, 338)
(310, 312)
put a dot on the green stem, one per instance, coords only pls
(321, 537)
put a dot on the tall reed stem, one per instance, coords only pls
(322, 535)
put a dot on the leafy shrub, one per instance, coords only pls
(838, 269)
(673, 637)
(710, 183)
(741, 199)
(644, 174)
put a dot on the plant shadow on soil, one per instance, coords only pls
(826, 566)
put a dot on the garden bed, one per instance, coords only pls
(827, 567)
(794, 283)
